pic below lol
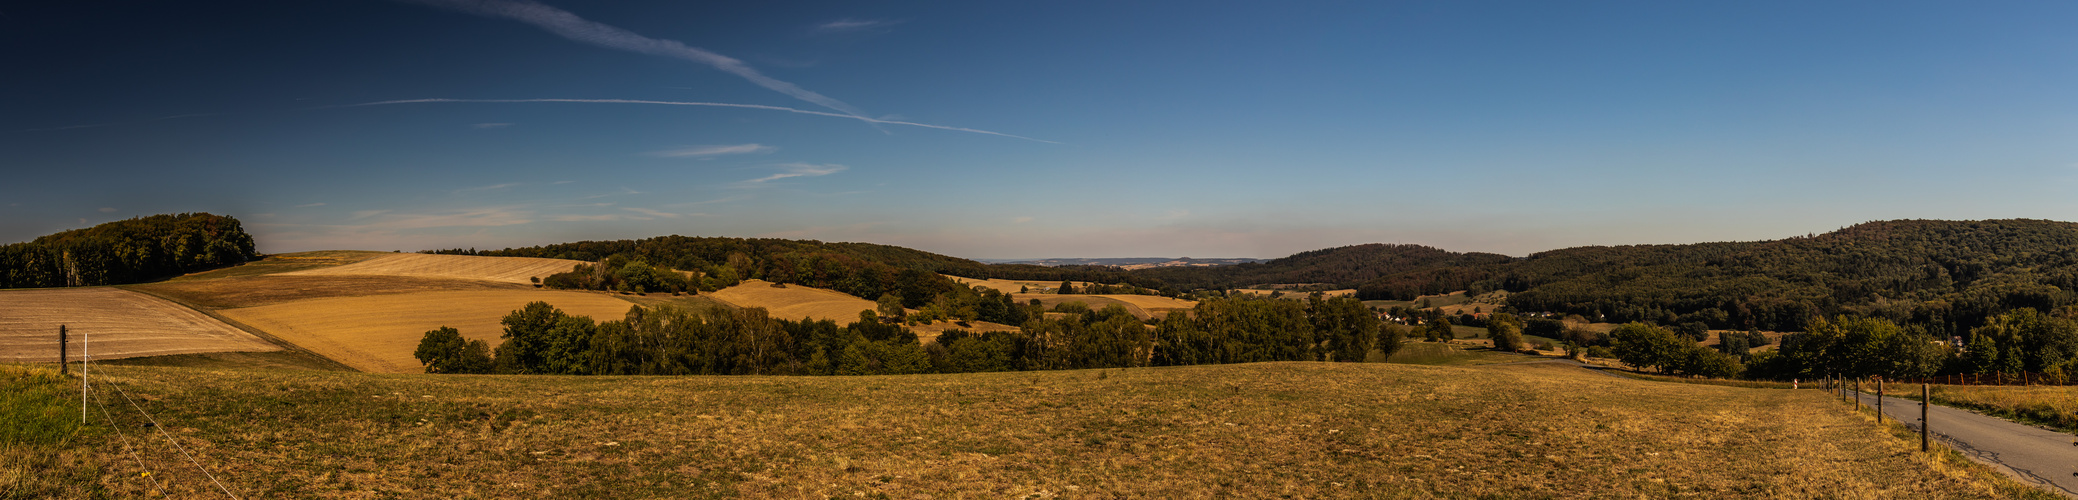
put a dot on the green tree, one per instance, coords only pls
(1066, 288)
(1506, 332)
(1645, 346)
(445, 351)
(890, 307)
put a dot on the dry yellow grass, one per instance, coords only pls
(503, 269)
(794, 302)
(119, 323)
(1270, 430)
(378, 333)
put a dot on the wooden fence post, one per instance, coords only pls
(1926, 399)
(1879, 401)
(63, 369)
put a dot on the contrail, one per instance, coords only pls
(568, 25)
(707, 104)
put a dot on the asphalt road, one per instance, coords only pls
(2035, 455)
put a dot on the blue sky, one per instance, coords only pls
(1046, 129)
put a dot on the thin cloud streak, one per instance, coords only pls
(800, 170)
(568, 25)
(707, 151)
(843, 25)
(703, 104)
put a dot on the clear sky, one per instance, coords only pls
(1037, 129)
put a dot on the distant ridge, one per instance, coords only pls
(1128, 262)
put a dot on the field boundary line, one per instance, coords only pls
(169, 439)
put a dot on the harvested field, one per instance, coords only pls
(249, 291)
(118, 323)
(1008, 286)
(1265, 430)
(1141, 306)
(505, 269)
(929, 333)
(287, 262)
(1298, 295)
(378, 333)
(794, 302)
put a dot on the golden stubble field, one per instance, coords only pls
(793, 302)
(1140, 306)
(118, 323)
(1299, 430)
(377, 333)
(502, 269)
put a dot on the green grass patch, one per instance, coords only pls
(43, 446)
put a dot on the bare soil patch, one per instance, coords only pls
(118, 324)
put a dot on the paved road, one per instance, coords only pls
(2032, 454)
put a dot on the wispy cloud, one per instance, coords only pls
(651, 213)
(491, 125)
(476, 217)
(568, 25)
(850, 25)
(309, 205)
(492, 187)
(587, 218)
(713, 151)
(1021, 220)
(107, 210)
(787, 170)
(702, 104)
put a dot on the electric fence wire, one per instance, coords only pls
(101, 401)
(169, 438)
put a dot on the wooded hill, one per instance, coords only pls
(1947, 275)
(127, 251)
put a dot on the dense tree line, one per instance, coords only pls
(540, 339)
(127, 251)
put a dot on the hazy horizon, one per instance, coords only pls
(998, 132)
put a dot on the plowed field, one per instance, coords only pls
(118, 323)
(504, 269)
(378, 333)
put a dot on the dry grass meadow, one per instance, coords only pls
(1304, 430)
(793, 302)
(117, 323)
(377, 333)
(517, 270)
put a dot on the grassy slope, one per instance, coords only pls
(1257, 430)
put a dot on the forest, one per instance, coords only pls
(127, 251)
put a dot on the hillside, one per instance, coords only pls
(1341, 267)
(1947, 275)
(1306, 430)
